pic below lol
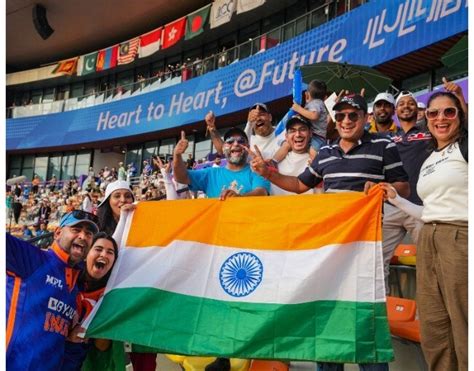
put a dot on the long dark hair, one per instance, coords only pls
(462, 132)
(107, 221)
(91, 284)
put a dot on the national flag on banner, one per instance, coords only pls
(246, 5)
(173, 32)
(196, 21)
(290, 277)
(107, 58)
(221, 12)
(66, 67)
(87, 64)
(127, 51)
(150, 43)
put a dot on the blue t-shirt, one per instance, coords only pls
(213, 180)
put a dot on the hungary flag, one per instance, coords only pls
(196, 22)
(281, 277)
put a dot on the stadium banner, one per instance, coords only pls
(207, 277)
(369, 35)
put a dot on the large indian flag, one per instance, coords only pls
(283, 277)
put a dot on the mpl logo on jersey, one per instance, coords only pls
(53, 281)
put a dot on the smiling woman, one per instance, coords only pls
(99, 262)
(442, 260)
(118, 197)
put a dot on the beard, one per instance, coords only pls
(235, 160)
(383, 121)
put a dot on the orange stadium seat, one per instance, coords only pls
(408, 330)
(260, 365)
(402, 310)
(404, 254)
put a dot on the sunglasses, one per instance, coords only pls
(232, 140)
(84, 215)
(353, 116)
(448, 112)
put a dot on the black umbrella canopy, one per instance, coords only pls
(339, 76)
(457, 56)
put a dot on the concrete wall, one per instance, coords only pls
(110, 159)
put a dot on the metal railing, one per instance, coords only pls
(186, 71)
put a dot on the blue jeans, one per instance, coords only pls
(317, 142)
(326, 366)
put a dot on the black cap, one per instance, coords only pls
(297, 119)
(354, 100)
(262, 106)
(233, 131)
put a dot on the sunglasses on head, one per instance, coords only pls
(448, 112)
(239, 140)
(84, 215)
(353, 116)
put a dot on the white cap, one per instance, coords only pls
(111, 187)
(405, 93)
(387, 97)
(421, 105)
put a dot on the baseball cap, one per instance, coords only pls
(78, 216)
(262, 106)
(421, 105)
(405, 93)
(297, 119)
(354, 100)
(387, 97)
(111, 187)
(235, 131)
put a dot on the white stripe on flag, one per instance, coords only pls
(192, 268)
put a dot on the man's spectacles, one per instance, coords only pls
(353, 116)
(303, 129)
(448, 112)
(84, 215)
(239, 140)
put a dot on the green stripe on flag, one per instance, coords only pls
(339, 331)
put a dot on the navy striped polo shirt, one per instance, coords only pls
(375, 158)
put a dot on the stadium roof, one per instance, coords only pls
(82, 26)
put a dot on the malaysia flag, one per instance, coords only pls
(128, 50)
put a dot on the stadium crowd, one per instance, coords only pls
(408, 161)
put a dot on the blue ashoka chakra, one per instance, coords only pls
(240, 274)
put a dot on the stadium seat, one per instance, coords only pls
(402, 310)
(196, 363)
(408, 330)
(200, 363)
(404, 254)
(176, 358)
(260, 365)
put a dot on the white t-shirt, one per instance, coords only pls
(267, 145)
(87, 205)
(293, 164)
(443, 186)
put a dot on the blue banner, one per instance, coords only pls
(369, 35)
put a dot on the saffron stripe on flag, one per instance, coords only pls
(253, 221)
